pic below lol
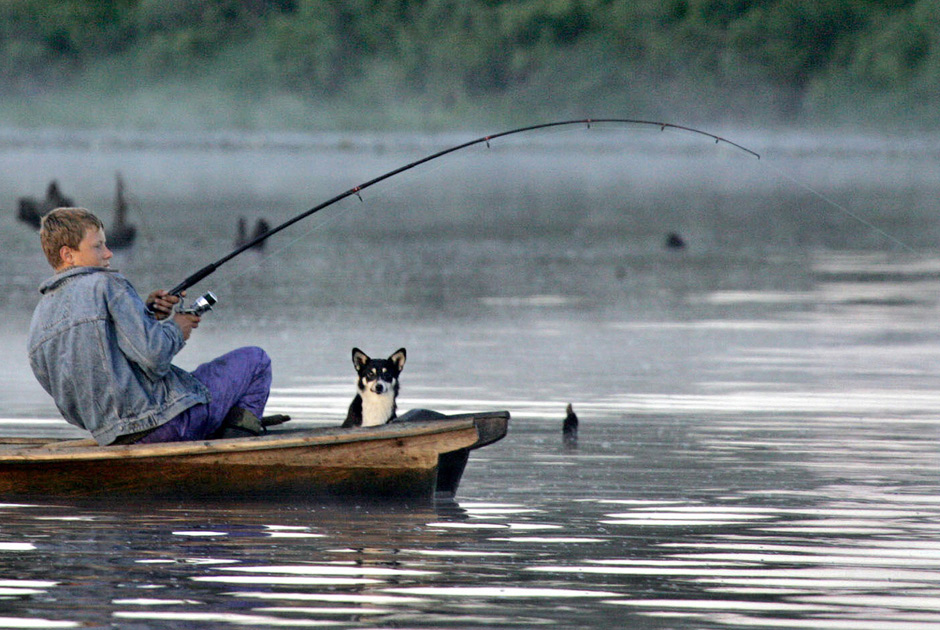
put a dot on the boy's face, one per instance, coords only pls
(92, 251)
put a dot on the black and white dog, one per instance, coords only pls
(377, 382)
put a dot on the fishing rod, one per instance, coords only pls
(356, 190)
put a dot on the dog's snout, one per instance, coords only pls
(379, 387)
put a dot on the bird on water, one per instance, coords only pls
(569, 429)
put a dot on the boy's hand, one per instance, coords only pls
(161, 303)
(187, 322)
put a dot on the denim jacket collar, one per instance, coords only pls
(70, 273)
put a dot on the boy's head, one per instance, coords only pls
(65, 228)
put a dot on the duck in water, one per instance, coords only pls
(262, 227)
(121, 234)
(569, 429)
(32, 210)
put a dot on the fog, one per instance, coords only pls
(769, 387)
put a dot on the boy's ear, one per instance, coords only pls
(65, 254)
(359, 358)
(398, 359)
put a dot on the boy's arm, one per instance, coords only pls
(149, 343)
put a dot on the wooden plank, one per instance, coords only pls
(278, 440)
(170, 479)
(62, 444)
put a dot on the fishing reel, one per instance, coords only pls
(202, 304)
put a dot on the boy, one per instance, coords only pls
(106, 359)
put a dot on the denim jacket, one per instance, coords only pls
(104, 359)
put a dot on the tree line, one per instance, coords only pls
(778, 60)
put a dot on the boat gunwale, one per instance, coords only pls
(58, 450)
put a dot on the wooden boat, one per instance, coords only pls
(421, 458)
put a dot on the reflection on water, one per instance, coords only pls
(830, 556)
(758, 435)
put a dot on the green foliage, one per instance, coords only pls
(796, 40)
(705, 58)
(898, 50)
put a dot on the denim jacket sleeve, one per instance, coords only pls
(148, 342)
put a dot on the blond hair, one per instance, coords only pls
(65, 227)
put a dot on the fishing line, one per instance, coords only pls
(839, 207)
(554, 126)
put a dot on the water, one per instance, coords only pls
(758, 443)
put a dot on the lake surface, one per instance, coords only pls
(758, 410)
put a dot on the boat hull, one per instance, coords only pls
(394, 461)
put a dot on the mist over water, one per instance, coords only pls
(758, 409)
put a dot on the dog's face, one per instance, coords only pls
(378, 376)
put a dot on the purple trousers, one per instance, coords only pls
(240, 378)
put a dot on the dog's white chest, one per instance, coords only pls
(377, 408)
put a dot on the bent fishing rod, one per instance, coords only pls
(356, 190)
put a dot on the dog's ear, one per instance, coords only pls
(398, 359)
(359, 358)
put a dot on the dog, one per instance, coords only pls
(377, 383)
